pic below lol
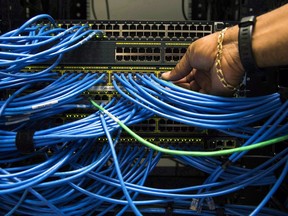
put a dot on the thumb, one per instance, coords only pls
(182, 69)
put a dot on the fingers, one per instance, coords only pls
(182, 69)
(189, 81)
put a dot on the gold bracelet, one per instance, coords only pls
(218, 62)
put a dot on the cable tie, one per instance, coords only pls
(226, 164)
(24, 141)
(169, 209)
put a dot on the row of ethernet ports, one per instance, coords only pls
(148, 58)
(155, 34)
(143, 27)
(145, 50)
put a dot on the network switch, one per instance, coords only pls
(151, 30)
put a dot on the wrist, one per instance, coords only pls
(231, 45)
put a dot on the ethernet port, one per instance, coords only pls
(149, 50)
(119, 58)
(161, 121)
(162, 128)
(134, 58)
(168, 58)
(191, 129)
(125, 27)
(144, 128)
(185, 34)
(97, 97)
(175, 50)
(157, 58)
(151, 128)
(119, 50)
(161, 34)
(211, 145)
(147, 34)
(219, 144)
(141, 58)
(175, 58)
(200, 28)
(116, 34)
(149, 58)
(183, 50)
(207, 28)
(154, 34)
(177, 27)
(141, 50)
(193, 28)
(140, 27)
(126, 50)
(132, 27)
(125, 34)
(116, 27)
(156, 50)
(102, 27)
(109, 27)
(170, 27)
(185, 28)
(176, 129)
(230, 143)
(108, 34)
(154, 27)
(168, 50)
(105, 97)
(134, 50)
(192, 34)
(147, 27)
(140, 34)
(127, 58)
(184, 129)
(64, 26)
(169, 122)
(151, 121)
(94, 26)
(169, 129)
(170, 34)
(161, 27)
(132, 34)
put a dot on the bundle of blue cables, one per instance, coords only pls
(234, 116)
(82, 167)
(40, 41)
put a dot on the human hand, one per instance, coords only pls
(197, 71)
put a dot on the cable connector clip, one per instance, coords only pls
(195, 205)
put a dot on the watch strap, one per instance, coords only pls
(246, 27)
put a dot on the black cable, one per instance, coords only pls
(93, 10)
(107, 9)
(183, 10)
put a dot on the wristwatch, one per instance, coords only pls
(246, 27)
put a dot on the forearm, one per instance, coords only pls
(269, 38)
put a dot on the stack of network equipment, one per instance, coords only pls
(188, 153)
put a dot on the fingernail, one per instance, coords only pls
(165, 74)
